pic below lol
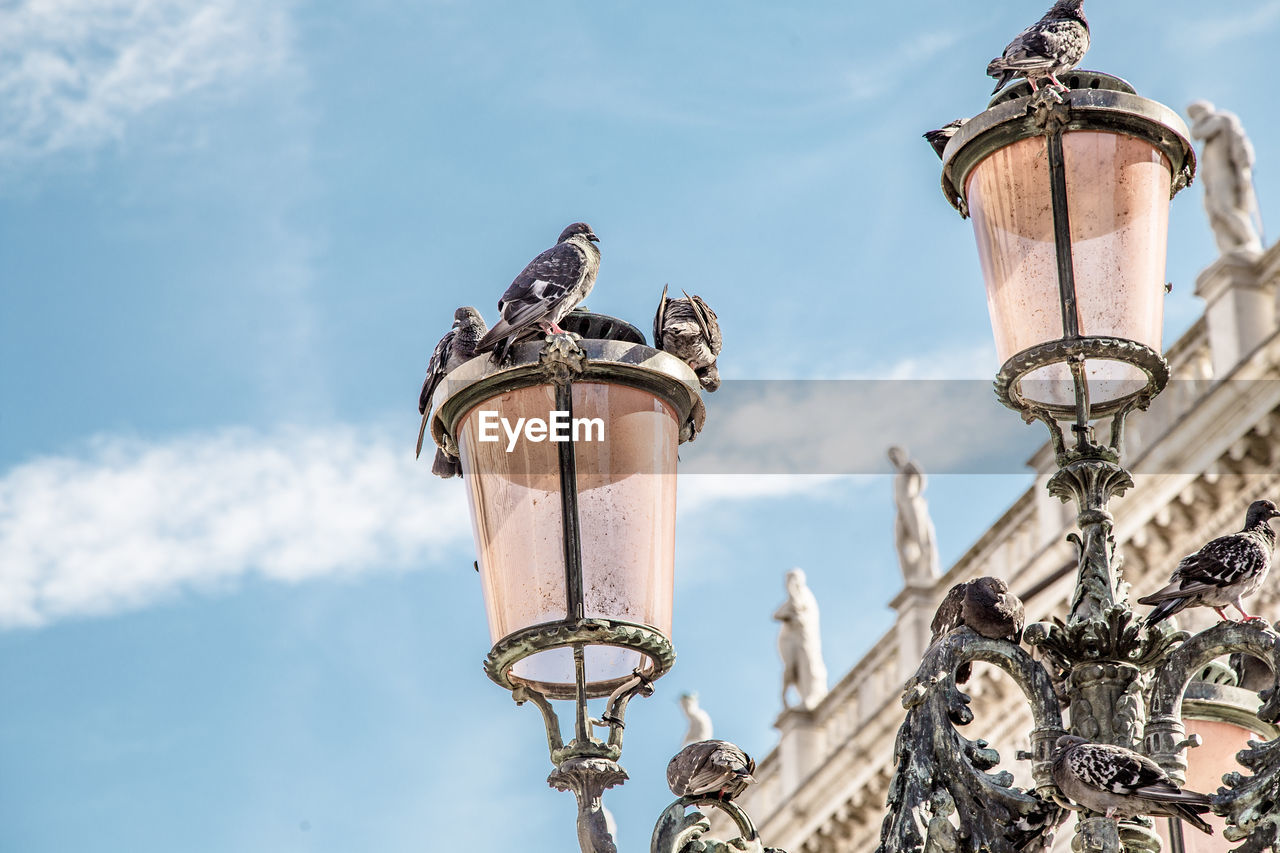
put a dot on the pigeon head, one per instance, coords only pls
(1070, 9)
(465, 314)
(1067, 742)
(993, 587)
(1260, 512)
(578, 228)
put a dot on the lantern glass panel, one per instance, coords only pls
(625, 457)
(1118, 206)
(514, 499)
(1206, 764)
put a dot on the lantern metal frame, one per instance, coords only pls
(596, 349)
(1124, 683)
(1097, 102)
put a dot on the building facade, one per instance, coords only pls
(1209, 446)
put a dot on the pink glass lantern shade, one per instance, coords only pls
(576, 538)
(1224, 717)
(1070, 210)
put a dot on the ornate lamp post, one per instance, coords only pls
(1069, 202)
(573, 511)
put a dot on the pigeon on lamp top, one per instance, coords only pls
(457, 345)
(1223, 572)
(986, 606)
(1119, 782)
(688, 329)
(940, 137)
(547, 289)
(710, 768)
(1054, 44)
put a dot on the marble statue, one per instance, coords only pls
(1226, 170)
(913, 531)
(699, 720)
(799, 643)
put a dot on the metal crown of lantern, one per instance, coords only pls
(1069, 198)
(575, 529)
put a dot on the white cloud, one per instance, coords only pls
(128, 523)
(75, 72)
(132, 523)
(976, 361)
(1223, 27)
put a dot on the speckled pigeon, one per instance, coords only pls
(940, 137)
(457, 345)
(985, 605)
(710, 767)
(1223, 572)
(688, 329)
(547, 289)
(1054, 44)
(1119, 782)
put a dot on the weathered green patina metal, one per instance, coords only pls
(1124, 683)
(600, 349)
(1112, 106)
(681, 831)
(941, 773)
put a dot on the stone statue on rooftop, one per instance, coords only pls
(1226, 170)
(913, 531)
(699, 719)
(800, 645)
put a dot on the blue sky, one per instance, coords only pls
(234, 614)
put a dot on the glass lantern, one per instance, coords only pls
(1070, 210)
(569, 461)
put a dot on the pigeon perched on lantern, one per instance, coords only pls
(985, 605)
(457, 345)
(714, 768)
(547, 289)
(940, 137)
(1119, 782)
(1054, 44)
(688, 329)
(1223, 572)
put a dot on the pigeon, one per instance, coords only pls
(688, 329)
(940, 137)
(986, 606)
(547, 289)
(457, 345)
(1119, 782)
(1055, 43)
(1224, 571)
(710, 767)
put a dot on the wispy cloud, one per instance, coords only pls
(1222, 26)
(131, 523)
(128, 523)
(75, 72)
(877, 75)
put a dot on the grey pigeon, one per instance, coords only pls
(710, 767)
(1054, 44)
(457, 346)
(1223, 572)
(940, 137)
(688, 329)
(986, 606)
(1119, 782)
(547, 289)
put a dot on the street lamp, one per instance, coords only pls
(568, 450)
(1069, 199)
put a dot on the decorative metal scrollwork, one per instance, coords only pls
(680, 831)
(1251, 804)
(941, 773)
